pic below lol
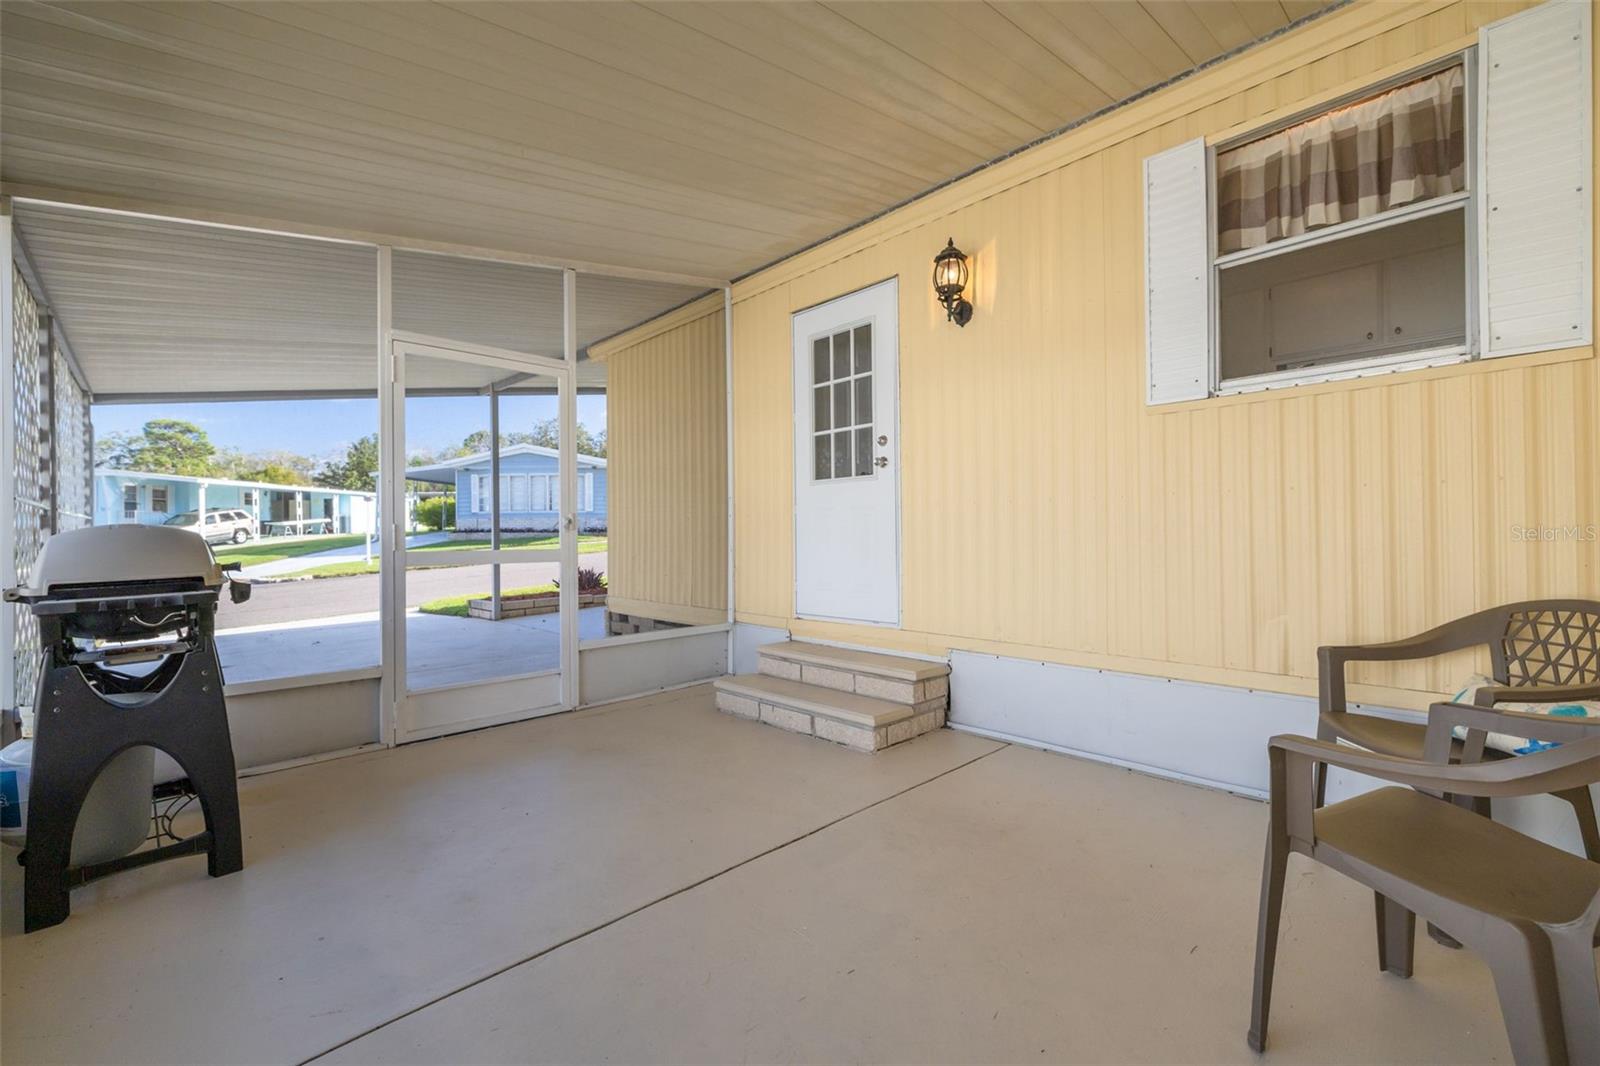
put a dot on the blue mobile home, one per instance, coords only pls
(147, 498)
(530, 488)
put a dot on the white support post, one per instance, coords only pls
(50, 447)
(727, 419)
(8, 487)
(391, 519)
(568, 467)
(494, 499)
(200, 515)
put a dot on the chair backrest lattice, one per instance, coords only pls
(1550, 645)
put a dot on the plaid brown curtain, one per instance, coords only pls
(1397, 148)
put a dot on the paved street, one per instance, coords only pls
(294, 601)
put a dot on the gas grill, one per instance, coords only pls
(128, 657)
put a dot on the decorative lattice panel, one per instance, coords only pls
(1553, 647)
(32, 511)
(74, 465)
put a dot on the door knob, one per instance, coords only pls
(881, 461)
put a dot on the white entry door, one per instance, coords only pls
(847, 458)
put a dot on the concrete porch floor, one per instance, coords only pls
(440, 649)
(654, 881)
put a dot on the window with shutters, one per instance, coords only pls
(1441, 216)
(1343, 238)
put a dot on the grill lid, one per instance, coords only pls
(123, 554)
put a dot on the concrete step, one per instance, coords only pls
(866, 673)
(859, 722)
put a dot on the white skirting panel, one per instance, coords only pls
(621, 668)
(747, 640)
(270, 727)
(274, 727)
(1211, 735)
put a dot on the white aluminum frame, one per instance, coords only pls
(1467, 201)
(417, 714)
(391, 481)
(8, 487)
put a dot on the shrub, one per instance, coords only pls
(589, 581)
(437, 513)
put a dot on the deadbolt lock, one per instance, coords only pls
(882, 439)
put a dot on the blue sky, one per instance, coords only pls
(322, 429)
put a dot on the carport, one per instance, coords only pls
(909, 319)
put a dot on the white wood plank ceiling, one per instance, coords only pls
(692, 138)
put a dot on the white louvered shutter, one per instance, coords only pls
(1534, 239)
(1177, 272)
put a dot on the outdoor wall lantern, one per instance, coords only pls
(950, 280)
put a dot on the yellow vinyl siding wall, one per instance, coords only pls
(666, 398)
(1048, 513)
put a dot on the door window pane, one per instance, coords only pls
(863, 349)
(863, 452)
(822, 466)
(819, 360)
(841, 354)
(841, 404)
(841, 454)
(864, 401)
(820, 408)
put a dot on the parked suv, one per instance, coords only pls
(236, 526)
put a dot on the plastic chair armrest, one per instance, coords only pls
(1555, 770)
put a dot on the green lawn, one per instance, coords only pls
(457, 605)
(272, 549)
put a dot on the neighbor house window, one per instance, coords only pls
(1439, 216)
(516, 491)
(130, 501)
(1343, 237)
(249, 497)
(158, 499)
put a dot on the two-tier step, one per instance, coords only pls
(864, 700)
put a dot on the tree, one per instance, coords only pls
(546, 434)
(164, 446)
(273, 473)
(357, 470)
